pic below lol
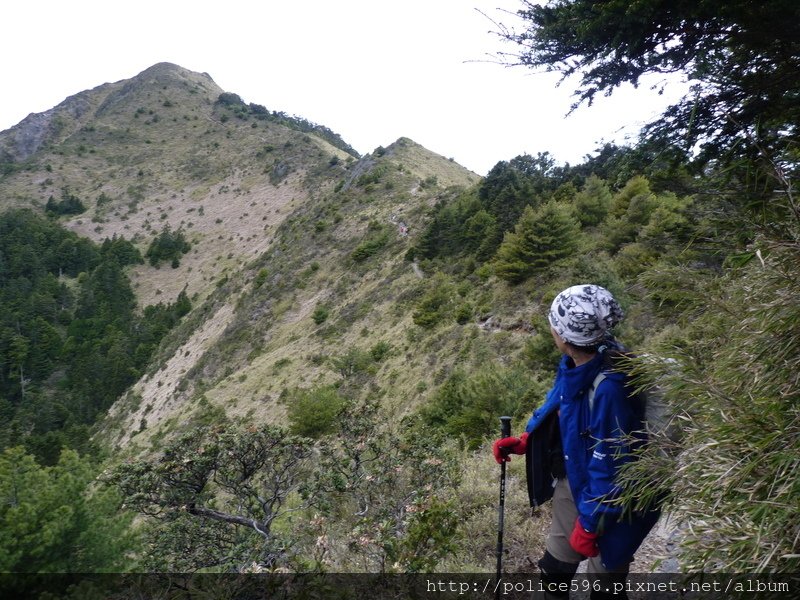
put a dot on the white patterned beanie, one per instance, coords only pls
(583, 315)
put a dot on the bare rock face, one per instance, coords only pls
(38, 129)
(28, 136)
(24, 139)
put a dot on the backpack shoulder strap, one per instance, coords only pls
(597, 381)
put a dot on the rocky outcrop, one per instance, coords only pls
(40, 129)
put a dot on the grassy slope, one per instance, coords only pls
(249, 343)
(252, 196)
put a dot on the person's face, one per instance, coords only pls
(560, 344)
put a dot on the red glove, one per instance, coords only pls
(582, 541)
(510, 445)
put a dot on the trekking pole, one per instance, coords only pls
(505, 431)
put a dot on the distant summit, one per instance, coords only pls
(53, 126)
(170, 148)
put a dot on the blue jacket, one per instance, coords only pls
(592, 454)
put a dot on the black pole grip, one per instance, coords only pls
(505, 431)
(505, 427)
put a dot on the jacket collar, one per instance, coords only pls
(578, 379)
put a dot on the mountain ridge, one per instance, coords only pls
(253, 192)
(160, 139)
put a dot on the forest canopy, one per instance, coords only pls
(71, 339)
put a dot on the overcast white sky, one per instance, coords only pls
(370, 70)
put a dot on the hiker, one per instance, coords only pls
(573, 450)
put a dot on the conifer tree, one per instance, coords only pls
(540, 238)
(593, 202)
(54, 519)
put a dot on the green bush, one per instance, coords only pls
(260, 278)
(464, 313)
(371, 246)
(539, 352)
(353, 362)
(429, 182)
(372, 177)
(467, 405)
(380, 351)
(436, 303)
(633, 259)
(320, 314)
(313, 413)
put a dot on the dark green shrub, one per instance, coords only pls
(429, 182)
(320, 314)
(380, 351)
(372, 177)
(69, 204)
(260, 278)
(230, 100)
(436, 303)
(353, 362)
(168, 245)
(371, 246)
(466, 405)
(464, 314)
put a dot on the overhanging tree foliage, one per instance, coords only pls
(742, 57)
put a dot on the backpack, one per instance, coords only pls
(662, 435)
(660, 419)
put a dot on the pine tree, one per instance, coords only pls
(56, 519)
(593, 202)
(540, 238)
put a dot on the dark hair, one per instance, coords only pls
(616, 357)
(609, 342)
(592, 348)
(614, 353)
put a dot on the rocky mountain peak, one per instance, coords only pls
(53, 126)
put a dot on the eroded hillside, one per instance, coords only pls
(334, 281)
(285, 224)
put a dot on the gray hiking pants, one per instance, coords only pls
(564, 515)
(560, 562)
